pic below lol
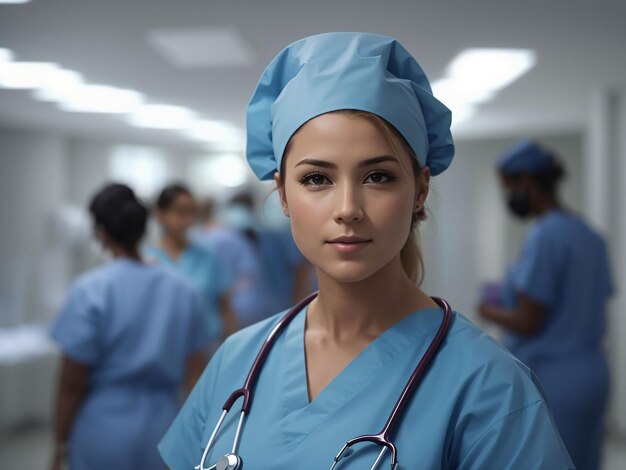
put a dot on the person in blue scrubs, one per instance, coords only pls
(347, 127)
(553, 301)
(131, 335)
(239, 254)
(282, 275)
(176, 211)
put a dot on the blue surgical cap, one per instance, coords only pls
(525, 157)
(336, 71)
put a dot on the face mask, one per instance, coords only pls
(519, 204)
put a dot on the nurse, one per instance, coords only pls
(131, 334)
(346, 125)
(283, 277)
(554, 298)
(176, 212)
(236, 252)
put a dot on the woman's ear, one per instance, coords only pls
(423, 186)
(280, 186)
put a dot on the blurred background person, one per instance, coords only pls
(237, 254)
(176, 212)
(131, 334)
(553, 301)
(283, 276)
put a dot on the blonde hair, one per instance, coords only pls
(410, 255)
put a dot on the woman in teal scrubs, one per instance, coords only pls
(347, 127)
(131, 334)
(176, 212)
(553, 303)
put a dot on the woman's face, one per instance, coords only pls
(178, 218)
(349, 198)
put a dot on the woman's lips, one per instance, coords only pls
(349, 244)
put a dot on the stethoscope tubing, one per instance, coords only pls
(383, 438)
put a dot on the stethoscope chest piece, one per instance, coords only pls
(229, 462)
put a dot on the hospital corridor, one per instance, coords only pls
(272, 234)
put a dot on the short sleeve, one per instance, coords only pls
(525, 438)
(76, 327)
(536, 274)
(223, 275)
(181, 446)
(200, 333)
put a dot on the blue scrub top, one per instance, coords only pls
(233, 250)
(564, 266)
(279, 257)
(477, 407)
(134, 325)
(268, 264)
(205, 271)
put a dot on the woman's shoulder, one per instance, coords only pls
(245, 343)
(492, 395)
(476, 349)
(483, 367)
(123, 272)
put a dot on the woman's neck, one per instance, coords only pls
(119, 252)
(173, 246)
(350, 310)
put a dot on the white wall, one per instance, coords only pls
(32, 182)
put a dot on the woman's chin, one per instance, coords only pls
(348, 272)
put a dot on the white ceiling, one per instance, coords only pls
(579, 44)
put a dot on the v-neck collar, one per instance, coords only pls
(300, 417)
(178, 261)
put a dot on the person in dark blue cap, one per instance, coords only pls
(553, 301)
(348, 128)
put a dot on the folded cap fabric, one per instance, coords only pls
(336, 71)
(525, 157)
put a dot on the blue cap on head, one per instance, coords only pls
(525, 157)
(335, 71)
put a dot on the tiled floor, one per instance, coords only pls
(30, 449)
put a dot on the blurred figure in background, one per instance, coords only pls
(237, 254)
(131, 334)
(176, 212)
(284, 275)
(553, 301)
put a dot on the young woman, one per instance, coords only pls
(553, 304)
(346, 125)
(176, 212)
(131, 334)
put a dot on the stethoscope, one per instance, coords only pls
(232, 461)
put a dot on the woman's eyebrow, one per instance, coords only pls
(315, 162)
(376, 160)
(364, 163)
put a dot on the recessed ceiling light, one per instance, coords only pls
(476, 76)
(156, 116)
(101, 99)
(59, 84)
(491, 69)
(213, 131)
(25, 75)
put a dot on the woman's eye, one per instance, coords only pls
(379, 178)
(315, 179)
